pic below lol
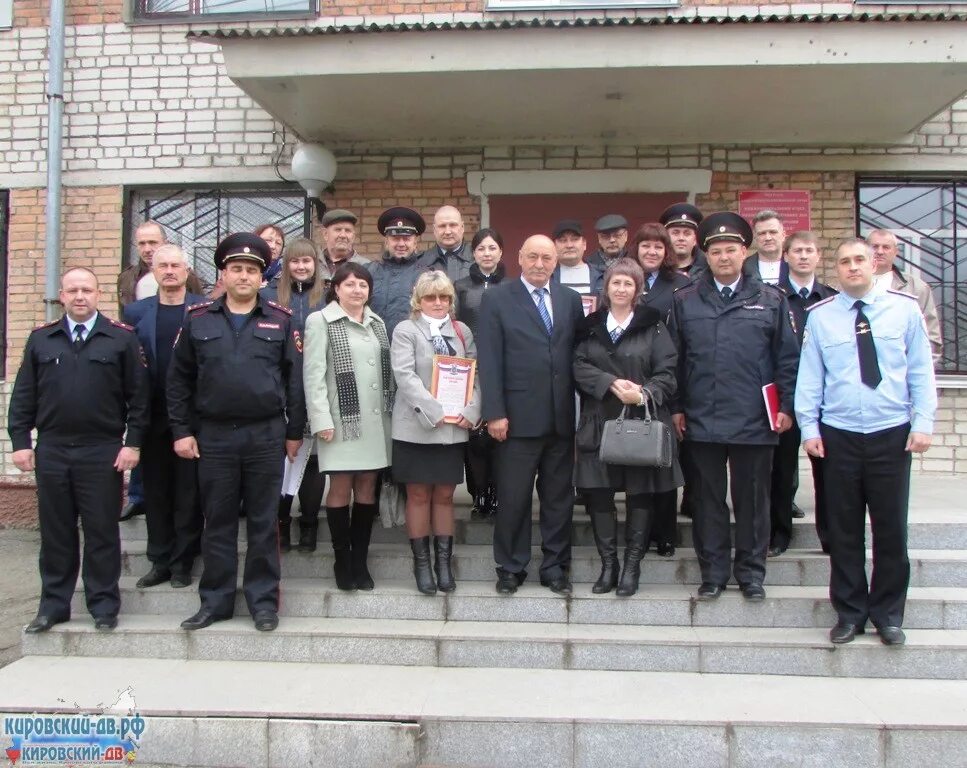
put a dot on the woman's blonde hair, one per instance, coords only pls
(434, 281)
(299, 247)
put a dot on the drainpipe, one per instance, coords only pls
(55, 131)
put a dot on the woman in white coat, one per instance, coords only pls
(428, 450)
(349, 397)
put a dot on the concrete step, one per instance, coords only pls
(939, 654)
(928, 567)
(267, 715)
(927, 530)
(666, 604)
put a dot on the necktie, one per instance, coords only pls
(726, 294)
(616, 334)
(78, 337)
(866, 349)
(542, 309)
(804, 292)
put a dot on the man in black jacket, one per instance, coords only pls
(734, 336)
(236, 403)
(81, 385)
(803, 290)
(525, 344)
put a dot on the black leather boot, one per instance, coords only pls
(421, 565)
(443, 551)
(285, 524)
(338, 519)
(604, 526)
(360, 530)
(636, 534)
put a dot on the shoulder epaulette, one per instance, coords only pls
(774, 289)
(200, 305)
(686, 288)
(820, 303)
(47, 324)
(278, 306)
(119, 324)
(901, 293)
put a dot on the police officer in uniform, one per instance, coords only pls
(734, 336)
(83, 382)
(866, 399)
(395, 274)
(236, 403)
(681, 221)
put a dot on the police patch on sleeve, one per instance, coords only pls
(297, 337)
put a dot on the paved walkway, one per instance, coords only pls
(20, 582)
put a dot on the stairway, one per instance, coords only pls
(395, 678)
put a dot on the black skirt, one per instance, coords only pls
(428, 464)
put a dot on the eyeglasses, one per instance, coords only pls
(436, 297)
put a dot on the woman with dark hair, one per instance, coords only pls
(487, 270)
(349, 397)
(297, 289)
(275, 237)
(653, 248)
(624, 356)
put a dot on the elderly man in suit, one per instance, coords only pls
(525, 343)
(171, 487)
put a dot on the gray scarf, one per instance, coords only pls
(346, 388)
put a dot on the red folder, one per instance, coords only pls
(770, 395)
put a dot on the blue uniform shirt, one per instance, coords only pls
(829, 388)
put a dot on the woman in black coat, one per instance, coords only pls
(624, 354)
(653, 248)
(486, 271)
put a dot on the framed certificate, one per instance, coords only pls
(452, 384)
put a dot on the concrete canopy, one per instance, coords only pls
(834, 83)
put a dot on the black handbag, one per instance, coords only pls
(636, 442)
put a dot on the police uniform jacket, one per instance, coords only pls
(416, 412)
(80, 398)
(798, 306)
(470, 290)
(645, 354)
(659, 296)
(727, 351)
(223, 375)
(393, 281)
(457, 265)
(298, 301)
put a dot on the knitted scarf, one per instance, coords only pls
(346, 389)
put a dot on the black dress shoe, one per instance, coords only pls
(507, 582)
(891, 635)
(753, 592)
(797, 512)
(133, 509)
(775, 550)
(43, 623)
(154, 577)
(844, 632)
(104, 623)
(709, 591)
(180, 580)
(665, 549)
(204, 618)
(559, 586)
(266, 621)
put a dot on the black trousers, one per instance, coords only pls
(868, 471)
(785, 474)
(240, 464)
(479, 462)
(819, 489)
(519, 461)
(172, 509)
(72, 482)
(749, 467)
(664, 521)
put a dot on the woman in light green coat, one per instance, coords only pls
(349, 396)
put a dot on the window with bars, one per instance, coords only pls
(197, 219)
(159, 10)
(929, 218)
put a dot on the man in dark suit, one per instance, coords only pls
(171, 486)
(767, 263)
(803, 290)
(524, 345)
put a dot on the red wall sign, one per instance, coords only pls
(792, 205)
